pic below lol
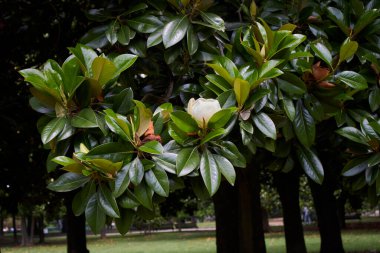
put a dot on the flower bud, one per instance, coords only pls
(202, 110)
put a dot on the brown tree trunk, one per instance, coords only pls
(14, 227)
(239, 224)
(287, 185)
(76, 229)
(1, 225)
(328, 222)
(32, 227)
(24, 231)
(41, 226)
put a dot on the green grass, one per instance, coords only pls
(194, 242)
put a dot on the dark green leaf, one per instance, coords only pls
(231, 152)
(145, 24)
(154, 38)
(304, 125)
(311, 164)
(212, 135)
(95, 216)
(136, 171)
(353, 79)
(192, 40)
(86, 118)
(52, 129)
(68, 182)
(265, 124)
(347, 50)
(158, 180)
(152, 147)
(322, 52)
(113, 151)
(175, 30)
(187, 161)
(107, 201)
(220, 118)
(166, 161)
(122, 180)
(355, 166)
(226, 168)
(144, 195)
(353, 134)
(210, 172)
(184, 121)
(124, 223)
(81, 198)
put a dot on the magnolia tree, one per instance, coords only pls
(167, 92)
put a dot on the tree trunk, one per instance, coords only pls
(342, 211)
(24, 231)
(103, 233)
(287, 185)
(76, 228)
(41, 226)
(32, 227)
(328, 222)
(14, 227)
(1, 225)
(239, 224)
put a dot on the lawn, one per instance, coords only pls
(195, 242)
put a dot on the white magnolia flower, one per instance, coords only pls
(202, 110)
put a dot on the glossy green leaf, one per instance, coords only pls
(82, 198)
(52, 129)
(144, 195)
(265, 124)
(107, 201)
(103, 70)
(154, 38)
(122, 180)
(158, 180)
(291, 84)
(322, 52)
(184, 121)
(152, 147)
(166, 161)
(175, 31)
(86, 118)
(124, 223)
(353, 79)
(355, 166)
(136, 171)
(113, 151)
(219, 82)
(226, 168)
(111, 33)
(231, 152)
(35, 77)
(123, 62)
(63, 160)
(304, 125)
(289, 108)
(145, 24)
(337, 16)
(95, 216)
(68, 182)
(209, 171)
(374, 99)
(192, 40)
(241, 89)
(213, 135)
(124, 35)
(220, 118)
(347, 50)
(365, 19)
(187, 161)
(215, 21)
(353, 134)
(311, 164)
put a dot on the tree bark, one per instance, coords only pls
(24, 231)
(287, 185)
(239, 225)
(14, 227)
(328, 222)
(1, 225)
(41, 226)
(32, 227)
(76, 228)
